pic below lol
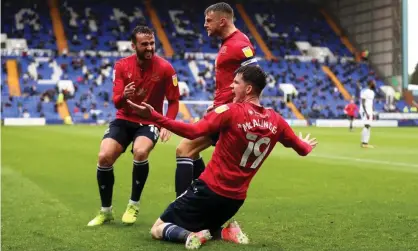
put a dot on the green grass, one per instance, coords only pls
(340, 198)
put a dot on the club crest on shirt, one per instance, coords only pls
(223, 49)
(221, 109)
(175, 80)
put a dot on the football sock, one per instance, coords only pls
(139, 177)
(106, 209)
(175, 233)
(135, 203)
(364, 138)
(351, 124)
(216, 234)
(368, 134)
(184, 174)
(105, 180)
(198, 167)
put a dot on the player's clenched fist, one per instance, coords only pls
(129, 90)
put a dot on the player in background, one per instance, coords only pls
(141, 77)
(366, 112)
(351, 110)
(248, 133)
(236, 50)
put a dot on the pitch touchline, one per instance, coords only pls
(365, 160)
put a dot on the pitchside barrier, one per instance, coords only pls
(192, 111)
(291, 122)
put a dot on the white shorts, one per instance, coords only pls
(366, 121)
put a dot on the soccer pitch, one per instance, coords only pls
(341, 197)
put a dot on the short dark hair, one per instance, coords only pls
(142, 30)
(220, 7)
(254, 75)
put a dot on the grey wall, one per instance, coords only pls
(374, 25)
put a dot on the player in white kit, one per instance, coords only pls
(366, 112)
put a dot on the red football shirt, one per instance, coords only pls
(152, 84)
(248, 133)
(236, 50)
(351, 109)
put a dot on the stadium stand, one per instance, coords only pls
(285, 23)
(28, 20)
(98, 25)
(286, 29)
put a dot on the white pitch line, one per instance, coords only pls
(374, 161)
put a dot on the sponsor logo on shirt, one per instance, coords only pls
(155, 78)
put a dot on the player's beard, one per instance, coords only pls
(213, 32)
(146, 55)
(210, 33)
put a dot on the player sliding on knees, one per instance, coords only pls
(248, 133)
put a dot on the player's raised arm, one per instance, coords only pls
(303, 146)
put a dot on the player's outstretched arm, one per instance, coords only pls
(303, 146)
(311, 142)
(189, 131)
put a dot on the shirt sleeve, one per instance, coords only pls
(245, 54)
(118, 86)
(220, 117)
(288, 139)
(213, 122)
(171, 82)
